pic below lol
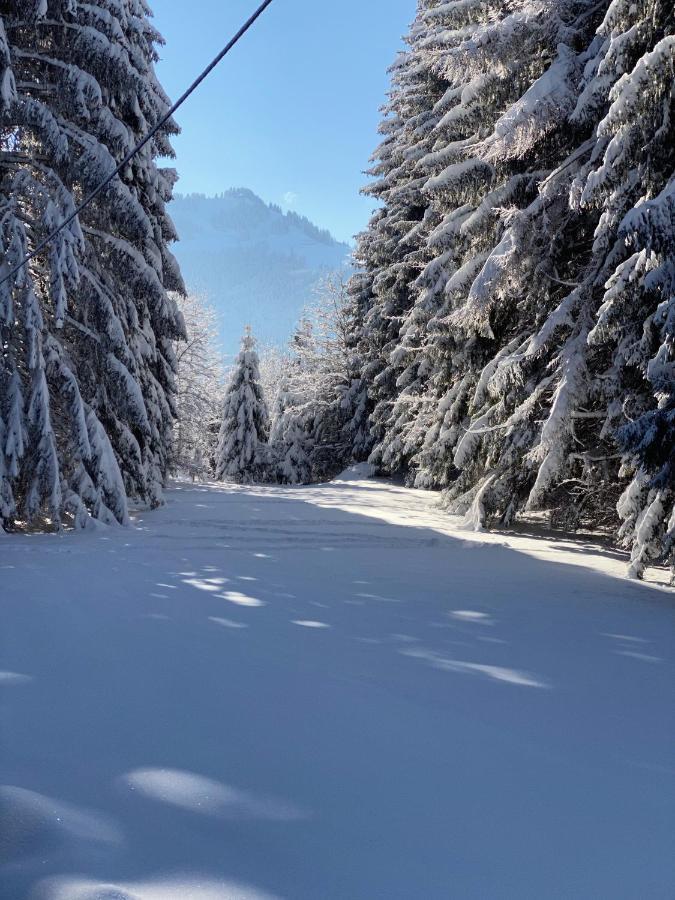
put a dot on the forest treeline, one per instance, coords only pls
(508, 337)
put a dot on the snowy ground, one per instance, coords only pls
(327, 692)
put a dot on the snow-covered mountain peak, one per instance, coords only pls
(257, 264)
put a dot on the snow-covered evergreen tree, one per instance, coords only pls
(533, 365)
(511, 83)
(242, 444)
(482, 114)
(592, 345)
(505, 264)
(312, 411)
(291, 437)
(199, 389)
(630, 181)
(86, 376)
(273, 363)
(390, 251)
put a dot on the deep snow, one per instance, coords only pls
(330, 692)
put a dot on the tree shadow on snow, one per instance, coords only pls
(253, 695)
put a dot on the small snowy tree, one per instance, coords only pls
(273, 365)
(242, 443)
(312, 409)
(199, 388)
(290, 439)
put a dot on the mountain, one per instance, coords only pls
(256, 264)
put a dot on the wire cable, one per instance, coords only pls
(149, 136)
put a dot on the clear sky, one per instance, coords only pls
(292, 112)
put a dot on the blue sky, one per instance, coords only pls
(292, 112)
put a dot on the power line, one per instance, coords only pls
(153, 131)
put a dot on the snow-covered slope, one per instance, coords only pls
(257, 264)
(330, 692)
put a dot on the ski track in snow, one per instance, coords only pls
(331, 692)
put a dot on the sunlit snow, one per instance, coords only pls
(415, 714)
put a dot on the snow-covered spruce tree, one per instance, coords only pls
(140, 269)
(87, 361)
(355, 402)
(272, 363)
(511, 80)
(199, 389)
(472, 66)
(575, 458)
(291, 438)
(546, 434)
(541, 430)
(32, 482)
(242, 444)
(541, 327)
(388, 252)
(630, 182)
(328, 358)
(310, 414)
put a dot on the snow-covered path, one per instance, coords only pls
(325, 692)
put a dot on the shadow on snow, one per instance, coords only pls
(257, 694)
